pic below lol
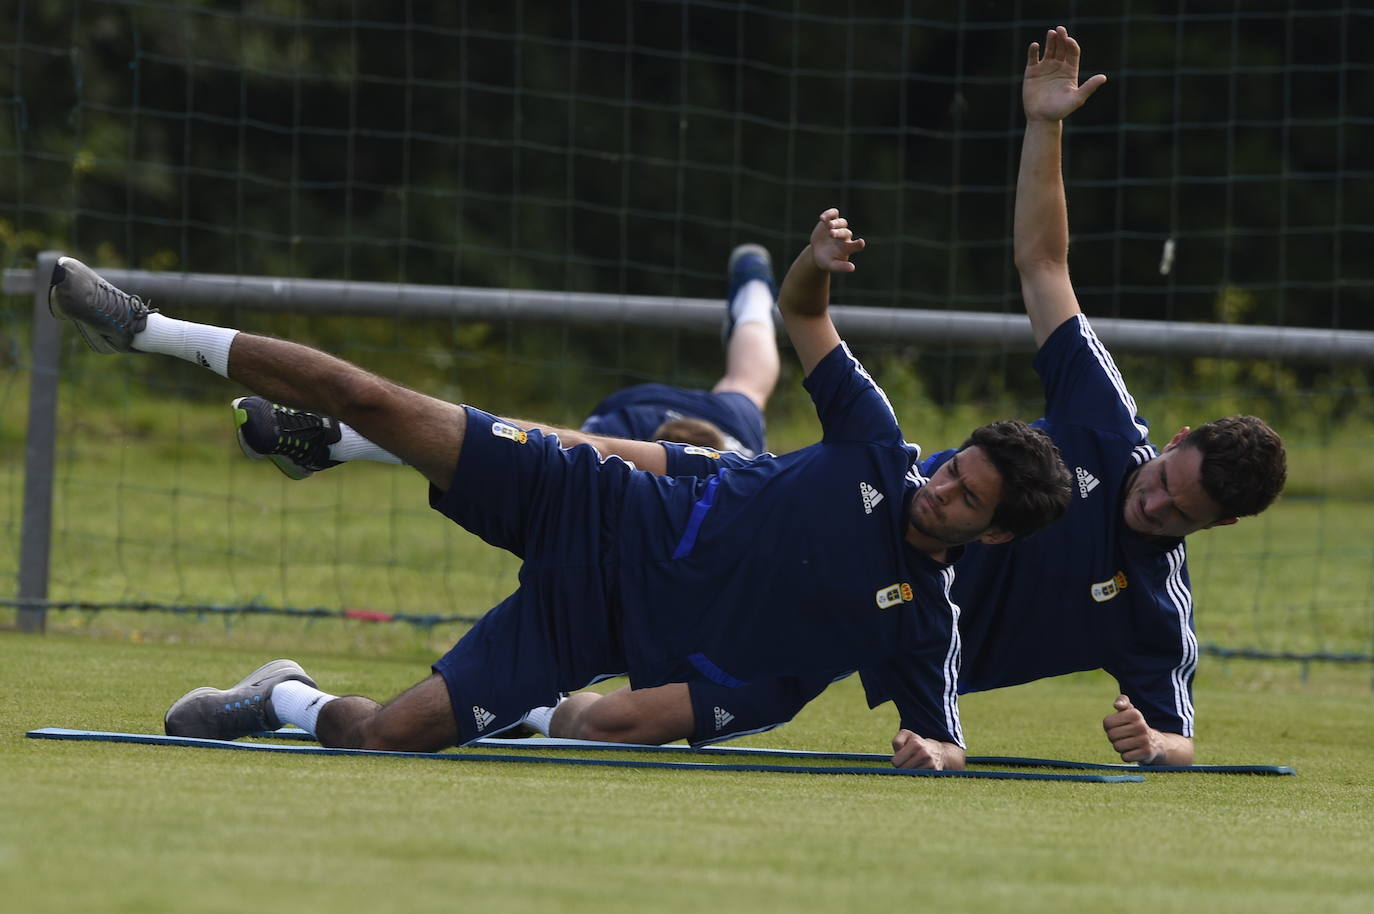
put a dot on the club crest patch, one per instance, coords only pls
(701, 451)
(502, 430)
(893, 595)
(1109, 588)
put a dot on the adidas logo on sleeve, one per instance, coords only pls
(1086, 481)
(871, 497)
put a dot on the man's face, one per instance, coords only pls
(956, 506)
(1165, 496)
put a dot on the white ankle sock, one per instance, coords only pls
(298, 704)
(538, 719)
(204, 344)
(352, 446)
(753, 304)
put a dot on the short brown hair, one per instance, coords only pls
(1036, 486)
(1244, 465)
(691, 431)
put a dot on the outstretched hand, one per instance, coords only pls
(832, 243)
(1050, 90)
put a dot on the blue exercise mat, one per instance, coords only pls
(1003, 761)
(151, 739)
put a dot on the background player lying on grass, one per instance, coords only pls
(727, 417)
(1107, 587)
(782, 566)
(730, 415)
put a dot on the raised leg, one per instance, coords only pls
(751, 348)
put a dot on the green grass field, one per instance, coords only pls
(92, 826)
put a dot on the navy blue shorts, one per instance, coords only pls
(560, 631)
(722, 713)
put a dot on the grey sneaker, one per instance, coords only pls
(747, 262)
(209, 713)
(295, 440)
(105, 316)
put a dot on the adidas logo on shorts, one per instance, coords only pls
(723, 717)
(483, 718)
(871, 497)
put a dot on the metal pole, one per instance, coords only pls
(35, 541)
(856, 324)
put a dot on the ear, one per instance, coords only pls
(1178, 437)
(1224, 522)
(995, 536)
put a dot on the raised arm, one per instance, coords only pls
(804, 298)
(1050, 92)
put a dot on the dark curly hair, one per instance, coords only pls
(1035, 483)
(1244, 465)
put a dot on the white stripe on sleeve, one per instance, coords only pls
(953, 660)
(1104, 358)
(1182, 599)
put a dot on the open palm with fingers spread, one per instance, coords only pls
(1051, 91)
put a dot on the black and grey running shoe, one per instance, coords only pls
(295, 440)
(210, 713)
(105, 316)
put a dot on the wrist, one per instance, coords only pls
(1159, 750)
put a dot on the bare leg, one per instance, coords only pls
(420, 719)
(751, 363)
(424, 432)
(652, 716)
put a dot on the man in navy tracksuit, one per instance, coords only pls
(1106, 587)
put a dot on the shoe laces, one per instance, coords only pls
(249, 712)
(294, 420)
(120, 307)
(298, 434)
